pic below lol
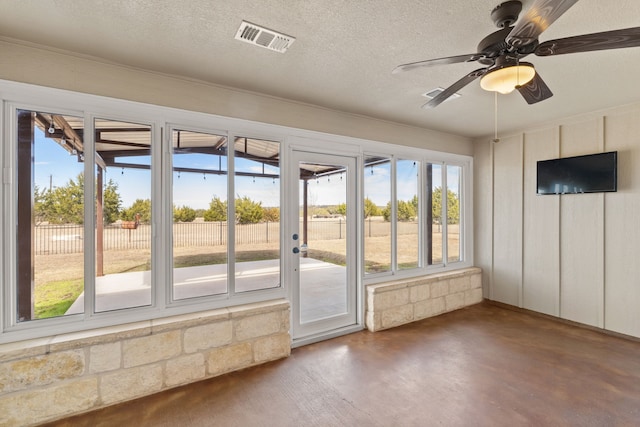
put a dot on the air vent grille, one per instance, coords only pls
(263, 37)
(437, 91)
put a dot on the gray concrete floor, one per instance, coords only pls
(323, 286)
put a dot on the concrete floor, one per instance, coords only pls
(479, 366)
(323, 290)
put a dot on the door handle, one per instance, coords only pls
(296, 250)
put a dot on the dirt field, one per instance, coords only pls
(377, 256)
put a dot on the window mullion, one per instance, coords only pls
(89, 217)
(231, 215)
(444, 202)
(394, 217)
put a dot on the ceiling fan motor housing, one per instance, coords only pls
(505, 14)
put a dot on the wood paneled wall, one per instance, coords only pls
(572, 256)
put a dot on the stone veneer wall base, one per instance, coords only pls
(403, 301)
(56, 377)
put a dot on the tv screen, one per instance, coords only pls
(593, 173)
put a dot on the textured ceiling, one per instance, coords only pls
(344, 52)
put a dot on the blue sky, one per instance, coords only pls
(55, 167)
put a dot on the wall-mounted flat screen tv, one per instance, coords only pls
(593, 173)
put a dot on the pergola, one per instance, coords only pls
(117, 145)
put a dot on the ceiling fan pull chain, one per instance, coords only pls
(495, 118)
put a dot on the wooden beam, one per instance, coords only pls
(25, 226)
(99, 223)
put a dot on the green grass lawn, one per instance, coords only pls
(54, 298)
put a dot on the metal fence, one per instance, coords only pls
(64, 239)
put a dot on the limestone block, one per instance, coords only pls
(429, 308)
(230, 358)
(185, 369)
(397, 316)
(371, 300)
(258, 326)
(285, 320)
(439, 289)
(454, 301)
(397, 297)
(127, 384)
(43, 404)
(419, 293)
(183, 321)
(473, 296)
(84, 339)
(374, 321)
(459, 284)
(22, 349)
(41, 370)
(152, 348)
(105, 357)
(209, 336)
(476, 281)
(272, 348)
(259, 308)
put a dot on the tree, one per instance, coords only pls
(248, 211)
(407, 210)
(370, 209)
(453, 206)
(65, 205)
(341, 209)
(386, 212)
(112, 202)
(140, 206)
(217, 210)
(41, 202)
(62, 205)
(271, 214)
(183, 214)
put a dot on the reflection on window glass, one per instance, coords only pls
(434, 208)
(257, 214)
(454, 178)
(377, 210)
(408, 234)
(199, 214)
(50, 212)
(123, 232)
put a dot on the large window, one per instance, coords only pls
(200, 231)
(408, 213)
(123, 215)
(49, 215)
(257, 214)
(377, 209)
(420, 223)
(116, 212)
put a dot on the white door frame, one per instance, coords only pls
(353, 320)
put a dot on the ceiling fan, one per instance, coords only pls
(500, 52)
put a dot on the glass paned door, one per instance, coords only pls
(322, 243)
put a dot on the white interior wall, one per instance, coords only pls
(36, 65)
(571, 256)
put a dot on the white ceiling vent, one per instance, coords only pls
(437, 91)
(263, 37)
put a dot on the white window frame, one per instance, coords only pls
(35, 98)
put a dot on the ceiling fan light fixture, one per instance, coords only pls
(508, 78)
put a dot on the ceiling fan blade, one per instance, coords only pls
(539, 17)
(617, 39)
(442, 96)
(438, 61)
(535, 91)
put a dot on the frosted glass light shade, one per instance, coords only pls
(505, 80)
